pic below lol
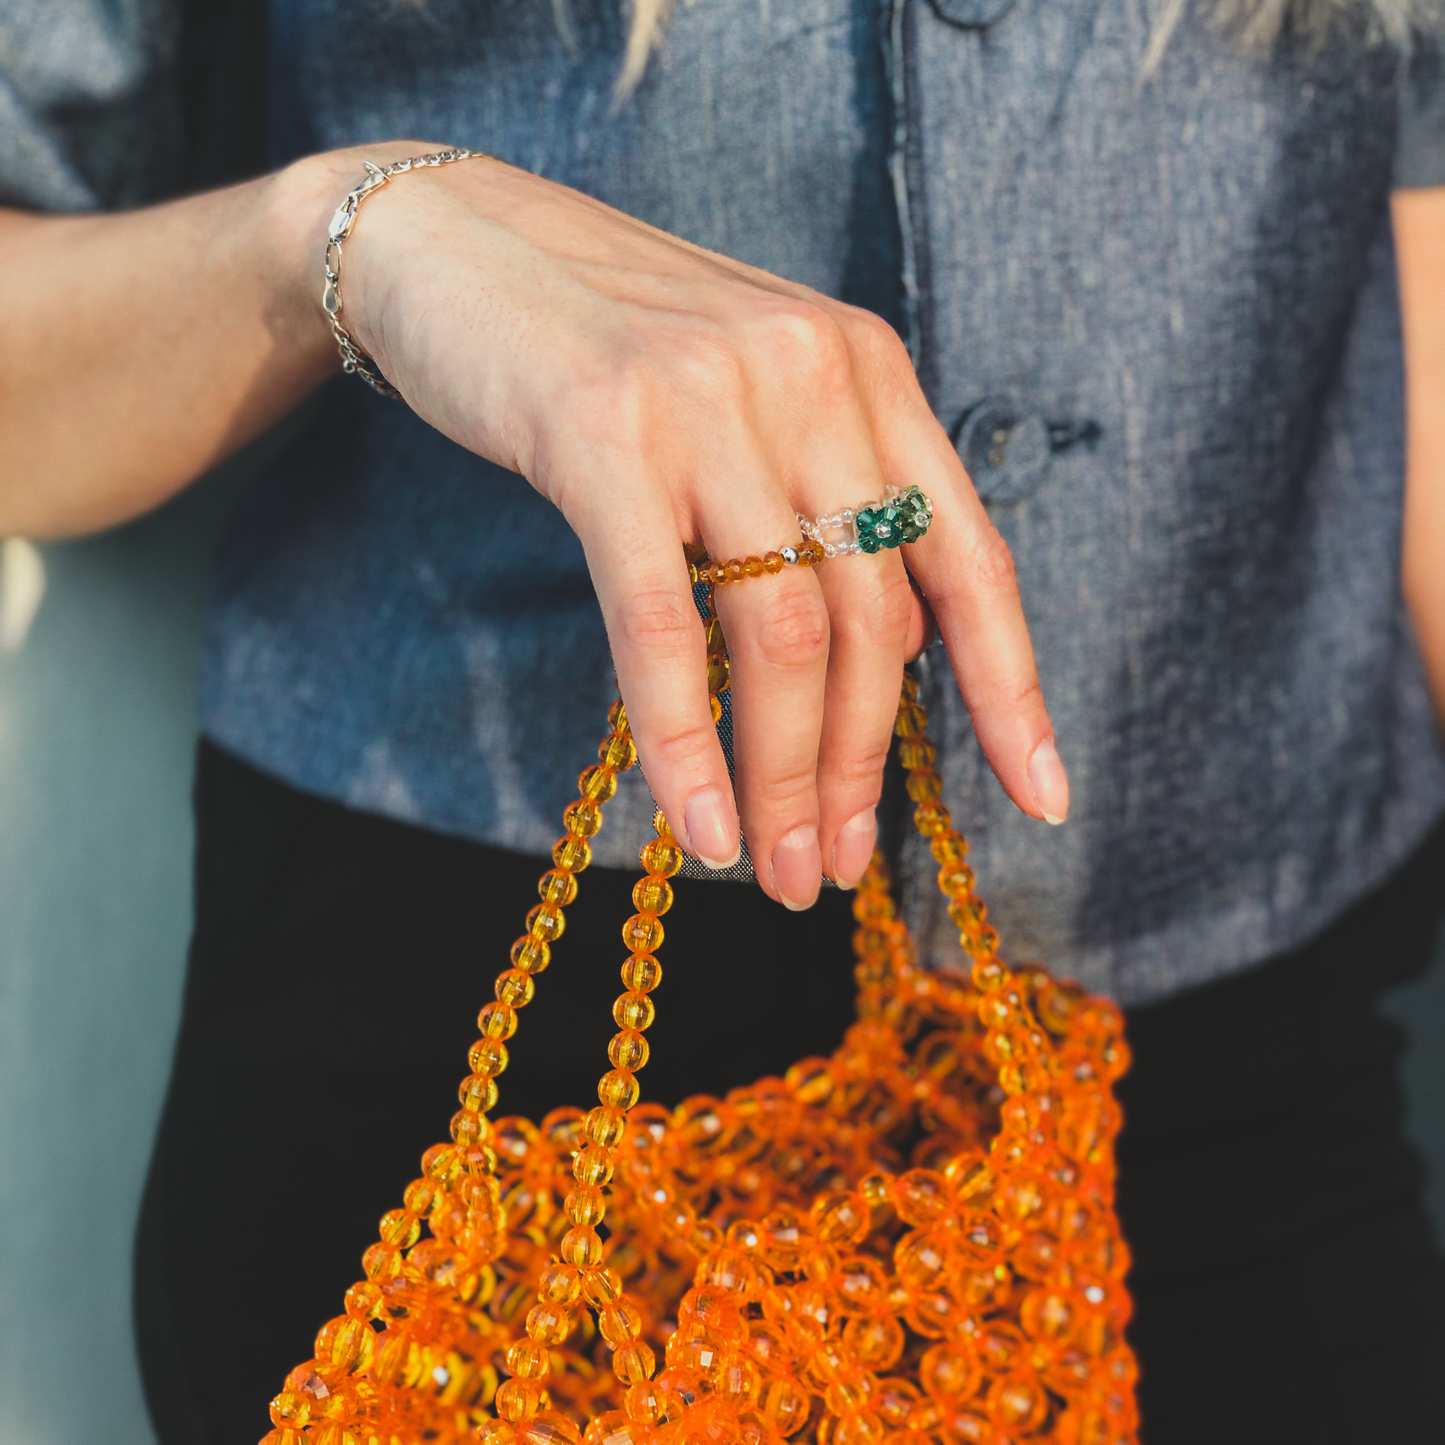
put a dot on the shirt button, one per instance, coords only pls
(1006, 449)
(973, 14)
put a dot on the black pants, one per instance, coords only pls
(1286, 1285)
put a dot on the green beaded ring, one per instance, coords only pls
(902, 517)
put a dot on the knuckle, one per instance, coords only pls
(660, 623)
(991, 561)
(705, 364)
(682, 747)
(792, 630)
(805, 341)
(784, 793)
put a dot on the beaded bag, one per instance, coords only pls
(913, 1240)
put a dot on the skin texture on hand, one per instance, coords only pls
(653, 391)
(1419, 222)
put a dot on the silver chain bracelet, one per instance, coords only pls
(353, 358)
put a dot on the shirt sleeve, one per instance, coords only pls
(89, 107)
(1420, 150)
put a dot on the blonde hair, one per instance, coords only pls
(1258, 27)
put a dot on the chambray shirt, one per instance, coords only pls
(1158, 317)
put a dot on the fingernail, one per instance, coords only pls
(1049, 782)
(854, 847)
(712, 829)
(798, 867)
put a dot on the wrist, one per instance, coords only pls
(304, 198)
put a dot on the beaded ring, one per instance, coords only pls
(901, 517)
(700, 568)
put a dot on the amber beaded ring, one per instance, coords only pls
(701, 569)
(912, 1241)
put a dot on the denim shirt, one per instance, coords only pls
(1158, 316)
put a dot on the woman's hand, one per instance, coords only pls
(657, 393)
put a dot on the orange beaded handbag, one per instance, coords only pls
(912, 1240)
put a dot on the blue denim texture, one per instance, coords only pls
(1159, 318)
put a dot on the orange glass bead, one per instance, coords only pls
(549, 1324)
(642, 933)
(488, 1057)
(515, 988)
(573, 854)
(560, 1284)
(557, 888)
(661, 858)
(517, 1399)
(585, 1205)
(642, 973)
(597, 784)
(593, 1165)
(617, 752)
(752, 566)
(604, 1126)
(581, 1246)
(601, 1285)
(773, 563)
(628, 1050)
(633, 1363)
(549, 1427)
(618, 1089)
(528, 1360)
(583, 818)
(497, 1021)
(619, 1322)
(634, 1011)
(547, 922)
(652, 895)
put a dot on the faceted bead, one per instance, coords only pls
(646, 1402)
(582, 819)
(549, 1324)
(772, 563)
(617, 752)
(628, 1050)
(618, 1089)
(400, 1227)
(518, 1398)
(949, 1372)
(920, 1196)
(528, 1360)
(597, 784)
(530, 954)
(634, 1011)
(642, 933)
(585, 1205)
(652, 895)
(911, 721)
(931, 819)
(916, 753)
(497, 1021)
(924, 787)
(956, 880)
(557, 888)
(876, 1341)
(581, 1246)
(619, 1322)
(468, 1126)
(605, 1126)
(785, 1404)
(662, 858)
(841, 1218)
(642, 973)
(362, 1300)
(617, 717)
(495, 1432)
(601, 1285)
(614, 1428)
(593, 1165)
(734, 570)
(717, 573)
(546, 922)
(633, 1363)
(515, 988)
(488, 1057)
(573, 854)
(1017, 1402)
(291, 1407)
(477, 1092)
(718, 674)
(752, 566)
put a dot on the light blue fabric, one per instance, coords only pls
(1172, 300)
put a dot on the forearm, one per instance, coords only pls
(1419, 217)
(141, 348)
